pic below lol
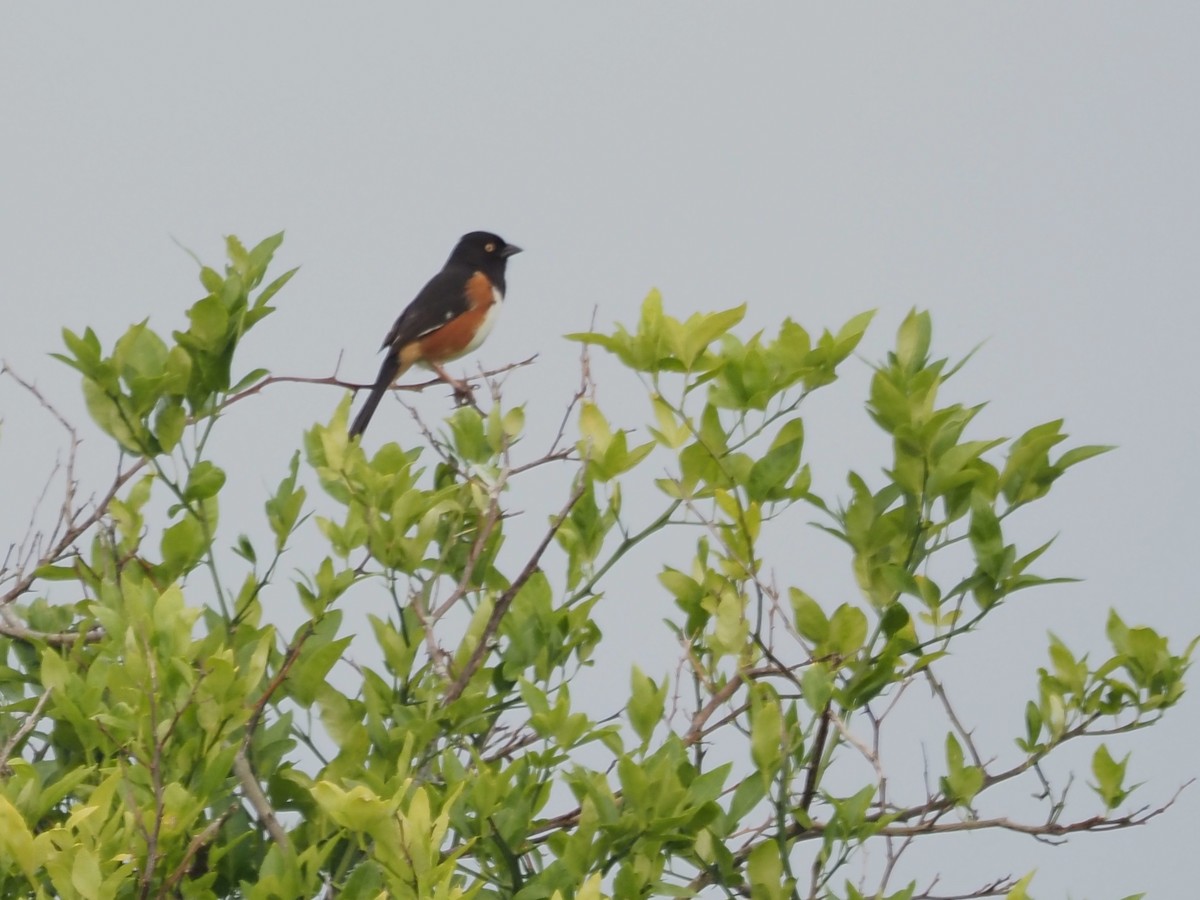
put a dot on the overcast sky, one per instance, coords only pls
(1027, 172)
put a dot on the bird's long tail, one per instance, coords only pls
(389, 371)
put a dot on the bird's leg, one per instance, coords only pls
(463, 392)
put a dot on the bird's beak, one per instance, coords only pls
(510, 250)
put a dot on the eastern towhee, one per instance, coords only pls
(451, 316)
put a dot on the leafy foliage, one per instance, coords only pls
(159, 736)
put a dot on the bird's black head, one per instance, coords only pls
(483, 250)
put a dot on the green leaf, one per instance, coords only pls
(85, 873)
(205, 480)
(359, 809)
(847, 630)
(1020, 890)
(109, 412)
(365, 882)
(912, 341)
(713, 436)
(86, 350)
(618, 458)
(260, 257)
(1033, 725)
(748, 794)
(252, 377)
(141, 357)
(766, 731)
(1027, 473)
(895, 619)
(702, 329)
(809, 618)
(470, 439)
(513, 422)
(283, 509)
(211, 279)
(16, 840)
(236, 251)
(852, 332)
(816, 684)
(731, 630)
(57, 573)
(986, 538)
(1110, 777)
(210, 320)
(260, 302)
(769, 476)
(595, 430)
(962, 782)
(672, 431)
(309, 674)
(1076, 455)
(169, 425)
(765, 870)
(183, 544)
(646, 704)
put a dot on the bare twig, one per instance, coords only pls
(867, 753)
(152, 834)
(257, 799)
(940, 692)
(12, 627)
(23, 730)
(696, 732)
(1000, 887)
(587, 388)
(1038, 829)
(241, 762)
(505, 600)
(194, 846)
(76, 529)
(334, 381)
(813, 774)
(482, 534)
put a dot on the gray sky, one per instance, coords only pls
(1026, 171)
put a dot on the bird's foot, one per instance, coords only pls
(464, 394)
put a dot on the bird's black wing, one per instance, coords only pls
(442, 299)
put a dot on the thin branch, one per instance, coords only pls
(1000, 887)
(241, 762)
(938, 806)
(23, 730)
(156, 780)
(72, 533)
(587, 388)
(814, 759)
(1044, 829)
(940, 692)
(624, 547)
(482, 535)
(12, 627)
(696, 732)
(6, 369)
(334, 381)
(505, 601)
(194, 846)
(257, 799)
(858, 744)
(557, 456)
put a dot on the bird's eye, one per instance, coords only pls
(489, 247)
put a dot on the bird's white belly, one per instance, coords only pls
(486, 326)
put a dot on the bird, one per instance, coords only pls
(451, 316)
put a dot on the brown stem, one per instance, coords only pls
(505, 601)
(23, 730)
